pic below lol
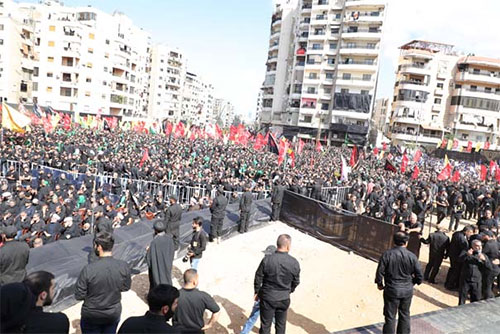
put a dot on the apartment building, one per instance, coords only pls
(380, 121)
(17, 55)
(168, 70)
(474, 110)
(324, 85)
(421, 93)
(197, 100)
(223, 113)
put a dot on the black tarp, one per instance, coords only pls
(351, 101)
(66, 258)
(366, 236)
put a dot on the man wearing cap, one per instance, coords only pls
(218, 210)
(14, 257)
(397, 272)
(160, 256)
(245, 206)
(173, 220)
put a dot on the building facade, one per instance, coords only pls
(168, 70)
(422, 93)
(474, 110)
(197, 100)
(223, 113)
(322, 68)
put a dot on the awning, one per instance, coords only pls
(430, 127)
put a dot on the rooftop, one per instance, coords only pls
(429, 46)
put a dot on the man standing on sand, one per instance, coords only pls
(277, 276)
(399, 269)
(160, 256)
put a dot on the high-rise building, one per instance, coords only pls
(421, 93)
(474, 111)
(223, 113)
(89, 61)
(17, 55)
(379, 121)
(322, 68)
(197, 100)
(168, 70)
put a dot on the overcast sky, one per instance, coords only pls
(227, 40)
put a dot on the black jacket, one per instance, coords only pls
(458, 244)
(100, 285)
(246, 201)
(14, 257)
(44, 322)
(148, 323)
(159, 258)
(173, 215)
(473, 267)
(218, 207)
(277, 276)
(198, 243)
(400, 270)
(277, 194)
(439, 244)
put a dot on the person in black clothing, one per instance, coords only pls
(475, 262)
(457, 211)
(459, 242)
(41, 284)
(160, 256)
(441, 206)
(14, 257)
(198, 243)
(173, 220)
(245, 206)
(162, 302)
(218, 210)
(350, 203)
(275, 279)
(439, 243)
(487, 222)
(399, 269)
(277, 199)
(16, 303)
(100, 285)
(491, 250)
(192, 305)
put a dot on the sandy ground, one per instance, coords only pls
(336, 291)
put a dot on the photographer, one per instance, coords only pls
(475, 262)
(197, 245)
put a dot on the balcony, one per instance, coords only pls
(274, 47)
(276, 21)
(358, 65)
(491, 95)
(319, 20)
(313, 65)
(272, 59)
(365, 34)
(275, 35)
(371, 17)
(362, 50)
(477, 77)
(416, 68)
(355, 82)
(351, 4)
(306, 8)
(411, 137)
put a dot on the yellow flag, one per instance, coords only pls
(460, 149)
(439, 144)
(446, 161)
(478, 146)
(13, 119)
(450, 144)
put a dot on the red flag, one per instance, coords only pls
(375, 151)
(444, 143)
(66, 122)
(283, 148)
(145, 156)
(417, 156)
(168, 129)
(34, 118)
(497, 175)
(484, 171)
(179, 130)
(259, 142)
(493, 165)
(404, 163)
(47, 123)
(218, 132)
(193, 135)
(487, 145)
(384, 146)
(456, 176)
(292, 156)
(319, 147)
(415, 173)
(455, 144)
(354, 156)
(469, 146)
(301, 146)
(445, 173)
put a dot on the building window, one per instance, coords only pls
(440, 85)
(88, 80)
(1, 41)
(89, 65)
(317, 46)
(106, 55)
(313, 75)
(437, 101)
(307, 119)
(1, 27)
(35, 71)
(476, 71)
(50, 59)
(333, 46)
(329, 75)
(373, 29)
(473, 88)
(335, 30)
(51, 43)
(346, 76)
(367, 77)
(327, 91)
(52, 28)
(364, 92)
(344, 91)
(487, 89)
(311, 90)
(458, 86)
(91, 36)
(87, 94)
(107, 41)
(351, 45)
(49, 89)
(324, 106)
(91, 51)
(50, 74)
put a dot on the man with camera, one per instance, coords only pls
(475, 263)
(197, 245)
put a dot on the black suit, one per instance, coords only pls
(277, 199)
(173, 222)
(458, 244)
(218, 210)
(471, 277)
(245, 206)
(14, 257)
(44, 322)
(490, 249)
(148, 323)
(159, 257)
(439, 243)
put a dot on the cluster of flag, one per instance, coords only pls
(454, 145)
